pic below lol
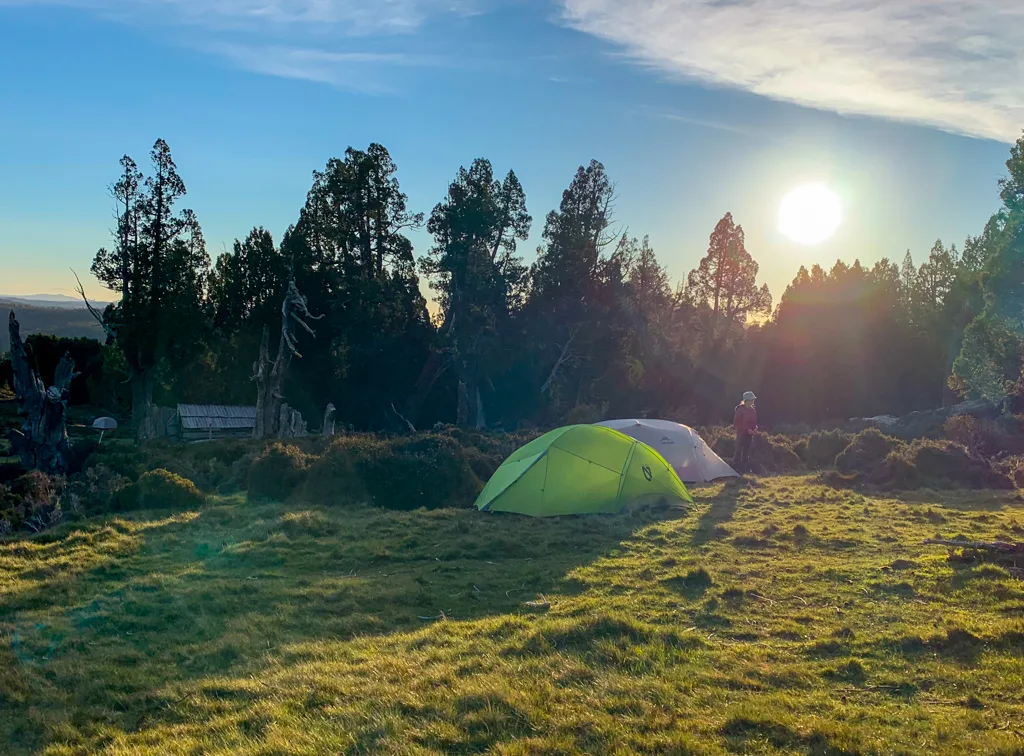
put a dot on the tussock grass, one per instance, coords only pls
(779, 616)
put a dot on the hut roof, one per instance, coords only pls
(216, 417)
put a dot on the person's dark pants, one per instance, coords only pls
(742, 457)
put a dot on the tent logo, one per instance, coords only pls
(647, 473)
(667, 440)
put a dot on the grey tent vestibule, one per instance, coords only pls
(690, 456)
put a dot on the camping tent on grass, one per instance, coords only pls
(580, 469)
(691, 458)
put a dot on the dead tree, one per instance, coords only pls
(269, 376)
(292, 425)
(43, 439)
(327, 430)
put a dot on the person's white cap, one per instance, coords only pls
(749, 397)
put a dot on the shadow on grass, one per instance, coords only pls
(959, 500)
(745, 734)
(710, 527)
(957, 644)
(99, 621)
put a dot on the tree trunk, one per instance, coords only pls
(268, 377)
(462, 405)
(143, 422)
(481, 419)
(434, 366)
(428, 376)
(43, 439)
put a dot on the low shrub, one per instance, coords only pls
(775, 453)
(866, 451)
(96, 487)
(584, 414)
(158, 489)
(224, 452)
(926, 463)
(768, 453)
(432, 471)
(238, 472)
(404, 473)
(125, 460)
(988, 437)
(78, 453)
(820, 449)
(499, 445)
(963, 429)
(1012, 468)
(481, 463)
(31, 502)
(332, 478)
(277, 471)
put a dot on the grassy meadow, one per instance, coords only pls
(774, 616)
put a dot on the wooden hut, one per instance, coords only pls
(205, 422)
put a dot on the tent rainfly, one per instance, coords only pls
(687, 452)
(580, 469)
(203, 422)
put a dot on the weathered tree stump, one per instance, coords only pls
(291, 423)
(43, 439)
(327, 430)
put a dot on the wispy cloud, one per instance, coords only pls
(346, 17)
(671, 115)
(350, 70)
(316, 40)
(954, 64)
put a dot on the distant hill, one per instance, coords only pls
(53, 301)
(41, 316)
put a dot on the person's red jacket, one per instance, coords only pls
(745, 418)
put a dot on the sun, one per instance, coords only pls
(810, 214)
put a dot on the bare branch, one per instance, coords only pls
(410, 426)
(564, 357)
(92, 310)
(295, 307)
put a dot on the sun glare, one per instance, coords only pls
(810, 214)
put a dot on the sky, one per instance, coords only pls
(696, 107)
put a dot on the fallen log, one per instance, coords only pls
(1002, 553)
(1000, 547)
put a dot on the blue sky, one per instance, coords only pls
(696, 107)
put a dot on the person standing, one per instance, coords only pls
(744, 420)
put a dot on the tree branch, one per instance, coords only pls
(565, 356)
(410, 426)
(92, 310)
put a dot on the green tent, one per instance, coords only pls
(580, 469)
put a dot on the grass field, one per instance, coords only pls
(776, 617)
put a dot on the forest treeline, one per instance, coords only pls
(592, 328)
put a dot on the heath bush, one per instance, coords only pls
(430, 471)
(820, 449)
(158, 489)
(926, 463)
(277, 471)
(31, 502)
(866, 451)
